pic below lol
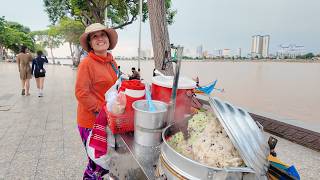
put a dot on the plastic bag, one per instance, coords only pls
(114, 100)
(119, 104)
(102, 160)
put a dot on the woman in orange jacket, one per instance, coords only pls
(96, 74)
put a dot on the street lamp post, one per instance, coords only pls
(139, 49)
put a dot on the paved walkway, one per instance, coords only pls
(39, 137)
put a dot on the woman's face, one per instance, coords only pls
(99, 41)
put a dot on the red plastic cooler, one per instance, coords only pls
(162, 90)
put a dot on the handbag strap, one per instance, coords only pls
(115, 69)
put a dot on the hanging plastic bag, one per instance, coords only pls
(118, 104)
(102, 160)
(111, 94)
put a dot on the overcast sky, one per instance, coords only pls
(215, 24)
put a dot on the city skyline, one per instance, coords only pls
(212, 24)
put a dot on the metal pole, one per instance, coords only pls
(172, 103)
(139, 49)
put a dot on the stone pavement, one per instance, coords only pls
(39, 137)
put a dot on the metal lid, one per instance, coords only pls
(244, 133)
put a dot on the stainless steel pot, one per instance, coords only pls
(147, 137)
(244, 134)
(149, 120)
(177, 166)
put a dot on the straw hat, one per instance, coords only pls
(112, 35)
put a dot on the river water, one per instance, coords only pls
(288, 92)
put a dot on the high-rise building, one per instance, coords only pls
(200, 51)
(239, 52)
(260, 46)
(265, 46)
(226, 52)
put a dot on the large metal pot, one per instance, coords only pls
(147, 137)
(149, 120)
(253, 151)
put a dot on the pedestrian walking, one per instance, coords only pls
(96, 74)
(23, 61)
(38, 71)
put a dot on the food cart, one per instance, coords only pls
(134, 161)
(131, 160)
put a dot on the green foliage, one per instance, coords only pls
(306, 56)
(120, 13)
(56, 9)
(170, 13)
(50, 38)
(13, 35)
(70, 30)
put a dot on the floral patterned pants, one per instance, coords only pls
(93, 171)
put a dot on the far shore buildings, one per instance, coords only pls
(260, 46)
(290, 51)
(200, 51)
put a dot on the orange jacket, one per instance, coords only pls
(94, 78)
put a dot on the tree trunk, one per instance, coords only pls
(53, 60)
(159, 34)
(79, 53)
(1, 53)
(72, 54)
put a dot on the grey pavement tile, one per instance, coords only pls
(71, 174)
(70, 144)
(2, 133)
(17, 130)
(50, 169)
(35, 132)
(32, 143)
(7, 153)
(55, 114)
(75, 153)
(54, 126)
(26, 156)
(5, 124)
(19, 176)
(4, 168)
(53, 135)
(51, 155)
(27, 168)
(9, 139)
(48, 146)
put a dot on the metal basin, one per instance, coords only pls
(149, 120)
(244, 134)
(175, 165)
(147, 137)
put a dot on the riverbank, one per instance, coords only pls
(47, 145)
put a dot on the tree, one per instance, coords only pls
(309, 55)
(159, 33)
(13, 35)
(71, 31)
(120, 13)
(50, 38)
(2, 31)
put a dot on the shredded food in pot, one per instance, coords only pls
(208, 143)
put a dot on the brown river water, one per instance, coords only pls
(288, 92)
